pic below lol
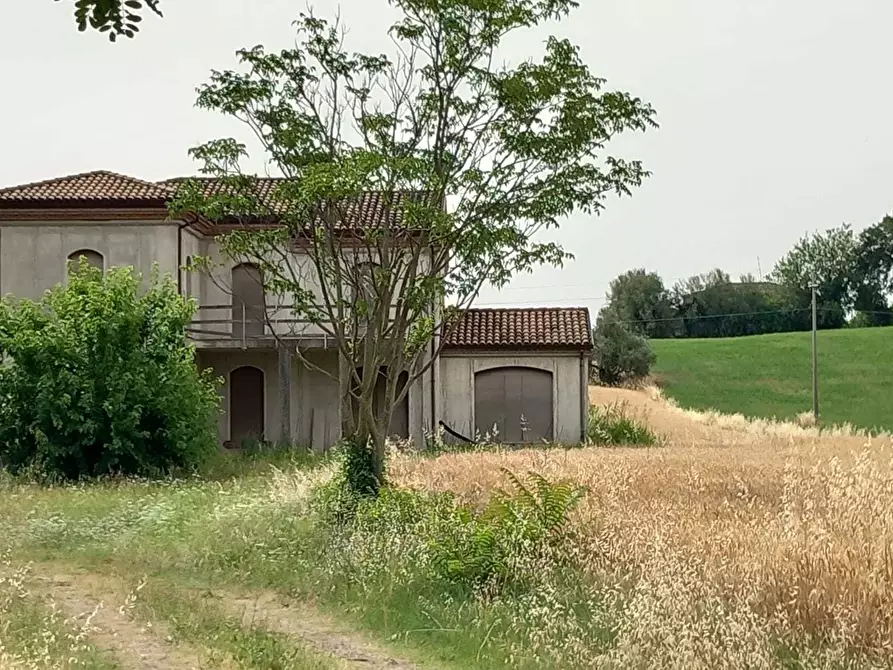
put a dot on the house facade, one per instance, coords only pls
(519, 373)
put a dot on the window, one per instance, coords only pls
(94, 259)
(248, 301)
(365, 282)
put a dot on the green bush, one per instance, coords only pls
(612, 425)
(98, 378)
(618, 354)
(463, 546)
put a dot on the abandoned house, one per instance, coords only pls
(522, 371)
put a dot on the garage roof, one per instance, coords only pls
(530, 328)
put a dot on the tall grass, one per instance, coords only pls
(762, 553)
(722, 557)
(615, 425)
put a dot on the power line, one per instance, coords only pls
(699, 317)
(537, 302)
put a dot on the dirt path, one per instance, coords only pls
(88, 601)
(100, 603)
(323, 633)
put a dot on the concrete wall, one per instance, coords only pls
(33, 255)
(315, 401)
(457, 370)
(192, 246)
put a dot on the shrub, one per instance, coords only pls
(468, 547)
(98, 378)
(618, 354)
(612, 425)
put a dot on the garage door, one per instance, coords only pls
(517, 401)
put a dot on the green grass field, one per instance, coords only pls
(771, 375)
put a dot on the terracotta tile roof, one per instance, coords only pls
(533, 328)
(371, 208)
(100, 185)
(104, 188)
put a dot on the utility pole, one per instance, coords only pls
(815, 358)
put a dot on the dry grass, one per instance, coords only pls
(734, 536)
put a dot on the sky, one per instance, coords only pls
(775, 117)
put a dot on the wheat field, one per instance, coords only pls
(732, 536)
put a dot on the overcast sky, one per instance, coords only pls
(775, 116)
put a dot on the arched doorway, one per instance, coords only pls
(94, 259)
(399, 424)
(516, 401)
(248, 301)
(246, 405)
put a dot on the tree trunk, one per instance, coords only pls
(364, 465)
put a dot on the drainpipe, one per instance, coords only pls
(584, 396)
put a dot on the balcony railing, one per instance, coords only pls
(252, 325)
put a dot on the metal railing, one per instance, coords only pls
(249, 323)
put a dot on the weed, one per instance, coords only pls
(614, 425)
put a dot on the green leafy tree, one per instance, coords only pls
(874, 274)
(98, 378)
(748, 308)
(831, 260)
(639, 299)
(115, 17)
(516, 149)
(701, 282)
(619, 355)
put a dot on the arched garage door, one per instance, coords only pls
(517, 401)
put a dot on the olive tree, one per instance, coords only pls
(513, 149)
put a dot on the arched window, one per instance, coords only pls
(94, 259)
(248, 301)
(364, 287)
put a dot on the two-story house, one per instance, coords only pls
(522, 371)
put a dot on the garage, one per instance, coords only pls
(516, 403)
(524, 372)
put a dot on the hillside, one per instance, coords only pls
(771, 375)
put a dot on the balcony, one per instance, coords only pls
(253, 327)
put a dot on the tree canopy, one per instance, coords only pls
(115, 17)
(515, 149)
(639, 299)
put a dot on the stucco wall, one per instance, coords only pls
(192, 247)
(33, 255)
(315, 402)
(457, 372)
(216, 290)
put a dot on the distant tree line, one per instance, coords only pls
(853, 272)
